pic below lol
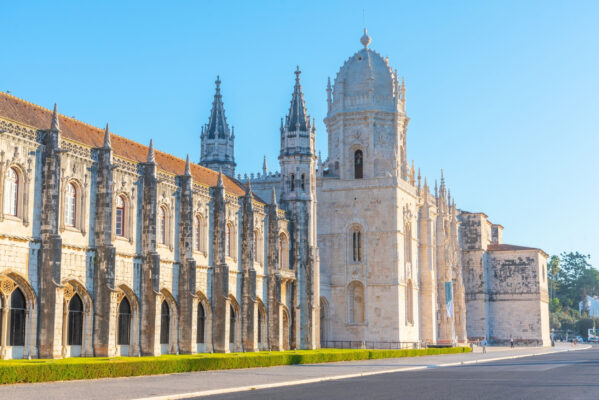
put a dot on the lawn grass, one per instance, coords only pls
(29, 371)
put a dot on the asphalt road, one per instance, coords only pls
(571, 375)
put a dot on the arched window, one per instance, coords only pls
(124, 322)
(357, 245)
(358, 165)
(303, 182)
(356, 303)
(119, 226)
(70, 205)
(75, 323)
(199, 242)
(228, 241)
(232, 325)
(16, 328)
(323, 321)
(161, 226)
(408, 243)
(409, 303)
(201, 322)
(292, 183)
(261, 322)
(165, 320)
(11, 192)
(283, 251)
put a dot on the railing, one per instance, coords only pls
(357, 344)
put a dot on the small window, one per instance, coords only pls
(11, 192)
(165, 320)
(199, 242)
(75, 325)
(70, 206)
(124, 322)
(303, 182)
(292, 182)
(161, 226)
(357, 245)
(16, 327)
(120, 216)
(228, 241)
(358, 164)
(201, 322)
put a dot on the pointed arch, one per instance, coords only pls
(262, 332)
(168, 312)
(127, 323)
(19, 316)
(234, 324)
(358, 164)
(285, 327)
(204, 327)
(77, 324)
(324, 320)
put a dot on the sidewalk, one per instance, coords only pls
(178, 386)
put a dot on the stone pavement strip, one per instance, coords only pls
(195, 384)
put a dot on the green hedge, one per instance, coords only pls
(28, 371)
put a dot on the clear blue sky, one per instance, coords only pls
(502, 95)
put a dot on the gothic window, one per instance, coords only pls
(303, 182)
(232, 326)
(16, 329)
(201, 322)
(75, 323)
(261, 325)
(356, 303)
(119, 226)
(11, 192)
(124, 325)
(283, 251)
(409, 303)
(358, 165)
(357, 245)
(161, 226)
(165, 319)
(292, 183)
(228, 241)
(70, 205)
(408, 243)
(199, 242)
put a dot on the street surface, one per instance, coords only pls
(540, 374)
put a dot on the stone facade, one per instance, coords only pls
(109, 247)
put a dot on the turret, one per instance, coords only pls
(218, 141)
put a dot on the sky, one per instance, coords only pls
(502, 95)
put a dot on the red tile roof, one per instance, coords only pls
(38, 117)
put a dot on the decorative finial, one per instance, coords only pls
(219, 182)
(55, 125)
(264, 166)
(217, 81)
(151, 158)
(187, 167)
(365, 39)
(297, 74)
(107, 143)
(249, 190)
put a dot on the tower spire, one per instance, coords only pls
(329, 96)
(107, 143)
(264, 166)
(151, 158)
(187, 167)
(55, 125)
(297, 119)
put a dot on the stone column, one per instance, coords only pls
(50, 309)
(249, 305)
(104, 342)
(4, 326)
(220, 279)
(428, 331)
(274, 280)
(187, 269)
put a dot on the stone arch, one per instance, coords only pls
(128, 218)
(206, 345)
(171, 346)
(9, 282)
(324, 321)
(262, 326)
(357, 157)
(163, 224)
(356, 303)
(199, 233)
(234, 323)
(230, 240)
(132, 349)
(356, 243)
(70, 288)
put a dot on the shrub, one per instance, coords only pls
(29, 371)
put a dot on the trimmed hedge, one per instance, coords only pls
(29, 371)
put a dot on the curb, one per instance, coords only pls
(346, 376)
